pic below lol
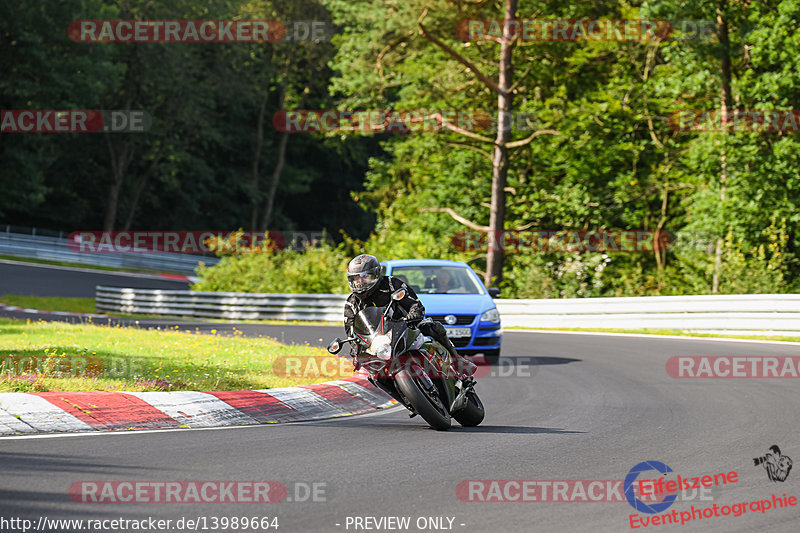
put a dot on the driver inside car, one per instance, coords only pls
(371, 288)
(447, 284)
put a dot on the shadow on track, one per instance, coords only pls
(517, 360)
(34, 462)
(510, 430)
(405, 424)
(32, 505)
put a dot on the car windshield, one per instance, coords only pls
(438, 279)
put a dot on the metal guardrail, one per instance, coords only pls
(56, 249)
(776, 313)
(229, 305)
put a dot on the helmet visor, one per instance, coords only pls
(362, 281)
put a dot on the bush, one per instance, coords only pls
(690, 266)
(316, 270)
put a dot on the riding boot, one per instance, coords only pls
(464, 367)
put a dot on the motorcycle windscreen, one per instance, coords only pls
(369, 322)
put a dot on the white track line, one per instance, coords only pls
(648, 336)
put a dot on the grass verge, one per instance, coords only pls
(54, 356)
(677, 332)
(70, 305)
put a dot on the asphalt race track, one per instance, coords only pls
(28, 279)
(563, 406)
(559, 407)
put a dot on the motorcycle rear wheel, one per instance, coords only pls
(430, 408)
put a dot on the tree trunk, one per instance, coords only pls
(256, 198)
(269, 203)
(659, 244)
(141, 183)
(726, 104)
(139, 188)
(119, 167)
(112, 201)
(497, 214)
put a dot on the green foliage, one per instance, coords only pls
(194, 168)
(320, 269)
(614, 163)
(745, 268)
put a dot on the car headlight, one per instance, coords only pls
(381, 347)
(492, 315)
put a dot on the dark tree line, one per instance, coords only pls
(600, 151)
(211, 158)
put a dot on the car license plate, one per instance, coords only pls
(459, 332)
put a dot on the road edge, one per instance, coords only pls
(26, 413)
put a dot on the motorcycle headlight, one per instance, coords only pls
(491, 315)
(381, 347)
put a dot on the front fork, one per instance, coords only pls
(386, 384)
(456, 389)
(389, 389)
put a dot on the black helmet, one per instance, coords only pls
(363, 274)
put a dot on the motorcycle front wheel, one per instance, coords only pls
(472, 414)
(427, 405)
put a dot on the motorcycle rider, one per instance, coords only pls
(370, 287)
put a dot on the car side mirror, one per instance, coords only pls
(494, 292)
(335, 345)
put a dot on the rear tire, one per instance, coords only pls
(473, 413)
(435, 415)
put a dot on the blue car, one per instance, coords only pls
(455, 296)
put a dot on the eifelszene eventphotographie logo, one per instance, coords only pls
(777, 465)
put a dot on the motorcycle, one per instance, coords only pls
(412, 368)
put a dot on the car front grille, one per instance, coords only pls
(461, 320)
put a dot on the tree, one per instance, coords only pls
(457, 64)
